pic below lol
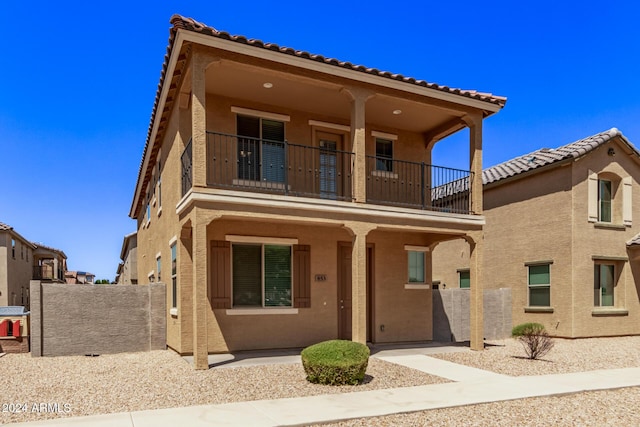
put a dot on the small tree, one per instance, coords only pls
(534, 338)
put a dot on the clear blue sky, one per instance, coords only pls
(78, 80)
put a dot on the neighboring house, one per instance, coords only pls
(285, 198)
(22, 261)
(79, 277)
(127, 273)
(557, 226)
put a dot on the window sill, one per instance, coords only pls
(160, 211)
(610, 312)
(610, 226)
(9, 338)
(538, 309)
(417, 286)
(260, 311)
(384, 174)
(174, 312)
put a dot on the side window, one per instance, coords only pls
(603, 285)
(416, 266)
(464, 279)
(174, 276)
(604, 200)
(539, 284)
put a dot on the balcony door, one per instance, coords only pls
(330, 164)
(260, 149)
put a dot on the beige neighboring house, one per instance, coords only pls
(285, 198)
(22, 261)
(127, 273)
(560, 231)
(79, 278)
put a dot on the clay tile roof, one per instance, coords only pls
(5, 227)
(548, 156)
(635, 241)
(190, 24)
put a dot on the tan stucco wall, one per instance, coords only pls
(15, 273)
(545, 217)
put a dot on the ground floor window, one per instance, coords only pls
(464, 279)
(416, 266)
(261, 275)
(539, 285)
(604, 277)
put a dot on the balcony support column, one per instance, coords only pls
(200, 61)
(475, 161)
(199, 290)
(358, 98)
(476, 241)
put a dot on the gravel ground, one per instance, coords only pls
(599, 408)
(160, 379)
(508, 357)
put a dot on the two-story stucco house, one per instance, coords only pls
(22, 261)
(286, 198)
(560, 227)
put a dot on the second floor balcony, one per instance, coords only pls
(286, 168)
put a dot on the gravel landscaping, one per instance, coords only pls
(160, 379)
(507, 357)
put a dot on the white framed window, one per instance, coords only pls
(603, 284)
(384, 155)
(174, 275)
(159, 184)
(260, 149)
(416, 266)
(539, 285)
(261, 274)
(604, 200)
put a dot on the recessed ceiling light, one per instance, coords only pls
(396, 112)
(267, 85)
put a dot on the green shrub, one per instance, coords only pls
(335, 362)
(534, 339)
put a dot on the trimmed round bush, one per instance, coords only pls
(526, 328)
(534, 339)
(335, 362)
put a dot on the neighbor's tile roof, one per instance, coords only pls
(547, 156)
(4, 227)
(634, 241)
(49, 248)
(189, 24)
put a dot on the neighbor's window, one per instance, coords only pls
(261, 275)
(603, 281)
(416, 267)
(174, 276)
(384, 154)
(604, 200)
(159, 186)
(464, 279)
(13, 248)
(539, 285)
(158, 267)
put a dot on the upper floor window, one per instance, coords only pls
(159, 267)
(174, 276)
(13, 248)
(604, 200)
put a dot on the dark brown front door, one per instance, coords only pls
(344, 291)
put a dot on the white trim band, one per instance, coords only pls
(260, 311)
(384, 135)
(416, 248)
(173, 241)
(328, 125)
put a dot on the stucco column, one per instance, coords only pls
(200, 60)
(359, 233)
(475, 161)
(55, 269)
(358, 99)
(476, 242)
(199, 289)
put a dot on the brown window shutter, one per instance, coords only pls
(302, 276)
(220, 274)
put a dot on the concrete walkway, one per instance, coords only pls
(472, 386)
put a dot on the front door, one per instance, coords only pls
(329, 184)
(344, 291)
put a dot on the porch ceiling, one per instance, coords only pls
(320, 98)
